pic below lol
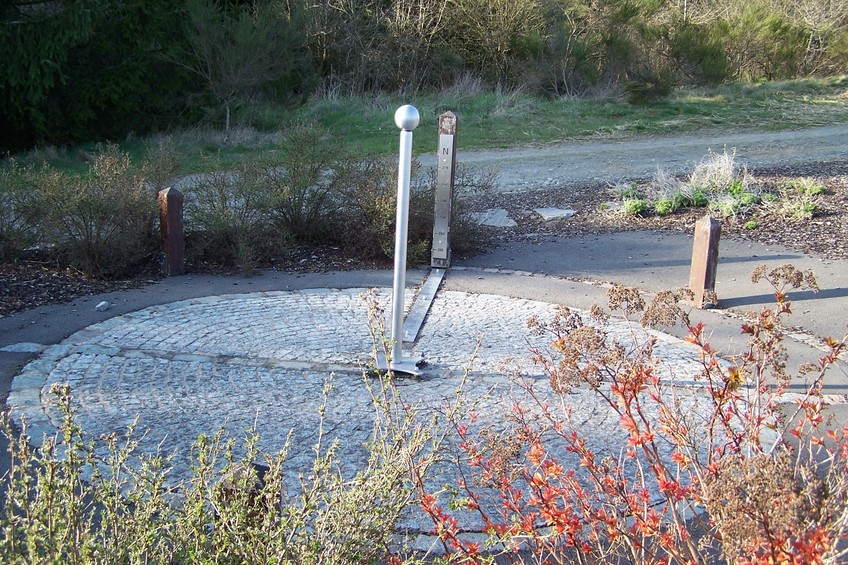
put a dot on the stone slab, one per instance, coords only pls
(549, 214)
(496, 217)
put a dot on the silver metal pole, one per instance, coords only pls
(406, 118)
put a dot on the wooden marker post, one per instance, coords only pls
(172, 227)
(702, 276)
(445, 172)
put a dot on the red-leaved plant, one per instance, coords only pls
(733, 468)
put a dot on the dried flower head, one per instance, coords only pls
(598, 315)
(664, 310)
(760, 500)
(629, 300)
(586, 355)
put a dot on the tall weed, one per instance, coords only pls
(83, 500)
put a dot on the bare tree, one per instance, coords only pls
(239, 51)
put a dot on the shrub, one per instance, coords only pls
(102, 222)
(18, 213)
(229, 214)
(756, 477)
(466, 233)
(90, 70)
(369, 210)
(648, 88)
(698, 52)
(81, 500)
(161, 163)
(236, 51)
(761, 42)
(309, 186)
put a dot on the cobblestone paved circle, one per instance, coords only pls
(261, 360)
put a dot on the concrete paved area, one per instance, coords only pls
(189, 355)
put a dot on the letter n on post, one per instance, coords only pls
(440, 254)
(172, 228)
(702, 276)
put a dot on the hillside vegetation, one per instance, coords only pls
(84, 70)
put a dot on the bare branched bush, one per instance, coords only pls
(103, 222)
(308, 187)
(370, 200)
(18, 213)
(230, 213)
(743, 473)
(370, 209)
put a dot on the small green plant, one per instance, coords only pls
(798, 198)
(625, 191)
(664, 206)
(747, 199)
(635, 207)
(736, 187)
(716, 182)
(690, 198)
(739, 189)
(726, 206)
(751, 225)
(805, 185)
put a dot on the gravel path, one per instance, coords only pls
(579, 162)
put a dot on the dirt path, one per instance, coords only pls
(580, 161)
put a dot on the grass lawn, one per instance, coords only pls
(493, 120)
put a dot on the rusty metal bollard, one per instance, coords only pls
(172, 228)
(702, 276)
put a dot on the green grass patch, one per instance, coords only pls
(497, 119)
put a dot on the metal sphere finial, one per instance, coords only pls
(407, 118)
